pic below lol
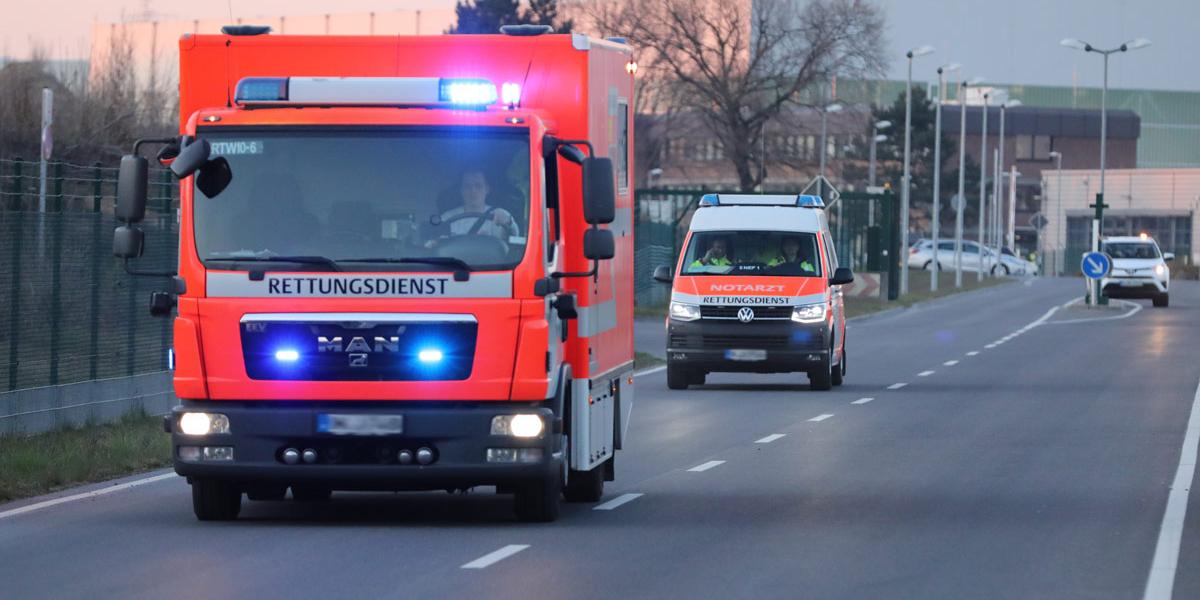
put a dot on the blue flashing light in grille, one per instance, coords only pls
(467, 92)
(287, 355)
(262, 89)
(430, 356)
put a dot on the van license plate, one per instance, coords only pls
(360, 424)
(746, 355)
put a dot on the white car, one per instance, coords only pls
(1139, 269)
(1014, 264)
(920, 256)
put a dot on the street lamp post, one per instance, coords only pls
(982, 186)
(906, 181)
(999, 195)
(831, 108)
(1057, 156)
(961, 205)
(936, 217)
(1096, 222)
(876, 137)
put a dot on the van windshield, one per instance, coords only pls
(377, 200)
(785, 253)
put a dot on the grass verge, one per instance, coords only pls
(45, 462)
(918, 288)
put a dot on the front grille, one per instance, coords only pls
(801, 341)
(761, 313)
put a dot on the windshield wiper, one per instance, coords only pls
(462, 270)
(304, 260)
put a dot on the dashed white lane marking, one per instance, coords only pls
(1161, 582)
(769, 438)
(990, 346)
(85, 495)
(950, 363)
(492, 558)
(925, 373)
(973, 353)
(896, 386)
(862, 401)
(618, 501)
(819, 418)
(706, 466)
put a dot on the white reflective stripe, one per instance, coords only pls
(358, 318)
(788, 300)
(597, 318)
(225, 284)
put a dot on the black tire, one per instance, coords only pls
(839, 372)
(585, 486)
(266, 492)
(821, 378)
(677, 377)
(1000, 270)
(215, 500)
(1162, 301)
(696, 377)
(538, 502)
(308, 493)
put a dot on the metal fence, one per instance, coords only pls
(68, 312)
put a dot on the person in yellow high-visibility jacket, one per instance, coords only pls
(717, 255)
(789, 253)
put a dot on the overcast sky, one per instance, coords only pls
(1009, 41)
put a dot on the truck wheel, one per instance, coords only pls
(821, 378)
(306, 493)
(216, 500)
(539, 501)
(266, 492)
(585, 486)
(677, 377)
(839, 372)
(1162, 300)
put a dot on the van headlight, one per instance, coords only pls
(684, 312)
(809, 313)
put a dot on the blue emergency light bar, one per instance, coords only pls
(373, 91)
(802, 200)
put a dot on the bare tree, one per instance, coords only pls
(740, 63)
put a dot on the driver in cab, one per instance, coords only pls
(476, 216)
(790, 255)
(716, 256)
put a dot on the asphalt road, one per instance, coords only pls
(1037, 467)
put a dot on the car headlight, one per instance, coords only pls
(521, 426)
(1160, 270)
(684, 312)
(809, 313)
(200, 423)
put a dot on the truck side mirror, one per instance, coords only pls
(161, 304)
(128, 242)
(662, 273)
(842, 276)
(131, 188)
(191, 157)
(599, 196)
(598, 244)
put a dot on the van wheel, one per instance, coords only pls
(677, 376)
(696, 377)
(216, 500)
(539, 501)
(585, 486)
(839, 372)
(821, 378)
(1162, 300)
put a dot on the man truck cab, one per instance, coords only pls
(757, 289)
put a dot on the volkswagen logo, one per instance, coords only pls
(746, 314)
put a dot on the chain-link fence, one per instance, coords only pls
(69, 313)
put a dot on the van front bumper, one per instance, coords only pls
(458, 434)
(756, 347)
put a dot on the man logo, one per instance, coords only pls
(358, 350)
(746, 314)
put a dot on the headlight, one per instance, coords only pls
(521, 426)
(809, 313)
(1160, 270)
(684, 312)
(199, 423)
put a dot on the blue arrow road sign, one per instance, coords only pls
(1096, 265)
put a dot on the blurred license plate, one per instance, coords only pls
(1131, 283)
(360, 424)
(747, 355)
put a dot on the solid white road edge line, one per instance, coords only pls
(862, 401)
(925, 373)
(1135, 309)
(706, 466)
(1161, 582)
(85, 495)
(950, 363)
(618, 501)
(649, 370)
(769, 438)
(492, 558)
(896, 386)
(819, 418)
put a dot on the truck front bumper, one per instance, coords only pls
(722, 345)
(457, 433)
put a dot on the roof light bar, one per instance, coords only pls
(467, 92)
(802, 200)
(370, 91)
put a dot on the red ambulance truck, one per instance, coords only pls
(405, 263)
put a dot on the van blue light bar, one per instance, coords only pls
(810, 201)
(367, 91)
(802, 200)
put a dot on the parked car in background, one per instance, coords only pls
(920, 256)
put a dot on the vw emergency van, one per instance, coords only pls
(757, 288)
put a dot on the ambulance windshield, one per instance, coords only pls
(786, 253)
(367, 199)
